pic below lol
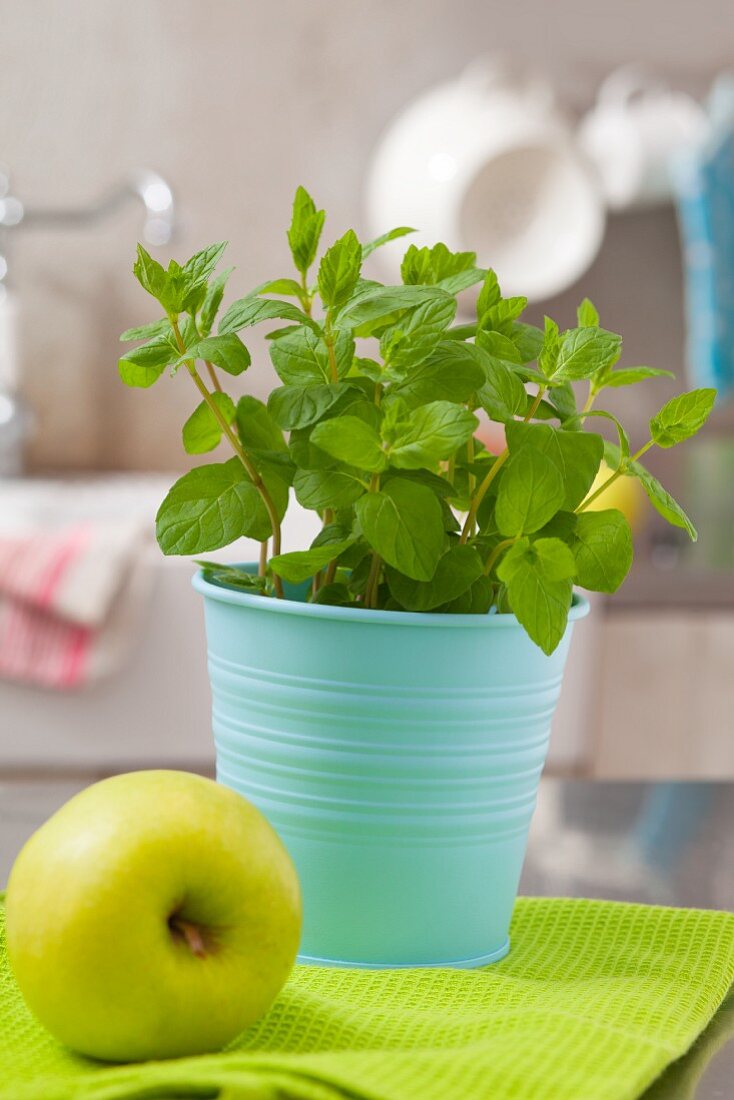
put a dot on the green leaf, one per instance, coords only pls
(682, 417)
(477, 600)
(319, 489)
(202, 264)
(403, 523)
(202, 431)
(462, 280)
(452, 372)
(489, 295)
(415, 337)
(602, 547)
(336, 595)
(299, 406)
(305, 230)
(392, 235)
(502, 394)
(500, 317)
(226, 352)
(563, 400)
(584, 351)
(301, 565)
(432, 433)
(339, 270)
(434, 265)
(373, 302)
(209, 507)
(576, 455)
(151, 276)
(587, 315)
(233, 576)
(550, 348)
(659, 497)
(212, 301)
(456, 572)
(350, 440)
(282, 286)
(300, 357)
(498, 345)
(256, 427)
(538, 576)
(251, 310)
(528, 340)
(616, 378)
(530, 491)
(147, 332)
(142, 366)
(343, 345)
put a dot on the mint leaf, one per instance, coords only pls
(528, 340)
(576, 455)
(301, 356)
(339, 270)
(209, 507)
(256, 427)
(432, 433)
(415, 337)
(403, 523)
(142, 366)
(202, 264)
(373, 302)
(452, 372)
(319, 489)
(498, 345)
(660, 498)
(251, 310)
(530, 492)
(212, 301)
(305, 230)
(350, 440)
(435, 265)
(456, 572)
(489, 295)
(587, 315)
(202, 431)
(146, 332)
(502, 395)
(500, 317)
(299, 406)
(233, 576)
(151, 276)
(301, 565)
(538, 576)
(550, 349)
(682, 417)
(616, 378)
(602, 547)
(624, 440)
(392, 235)
(584, 351)
(462, 280)
(226, 352)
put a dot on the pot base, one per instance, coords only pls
(461, 964)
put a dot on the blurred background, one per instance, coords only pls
(149, 120)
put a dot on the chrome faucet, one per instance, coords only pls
(143, 185)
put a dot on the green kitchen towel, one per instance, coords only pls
(594, 1000)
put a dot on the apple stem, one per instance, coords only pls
(192, 934)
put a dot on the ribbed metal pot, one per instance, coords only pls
(398, 756)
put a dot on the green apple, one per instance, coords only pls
(156, 915)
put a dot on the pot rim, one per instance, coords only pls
(370, 617)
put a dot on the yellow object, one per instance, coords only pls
(625, 493)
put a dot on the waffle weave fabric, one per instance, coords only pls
(593, 1001)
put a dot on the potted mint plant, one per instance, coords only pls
(385, 694)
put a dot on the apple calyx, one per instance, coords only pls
(191, 934)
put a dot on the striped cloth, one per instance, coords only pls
(63, 593)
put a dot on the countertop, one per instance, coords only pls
(662, 843)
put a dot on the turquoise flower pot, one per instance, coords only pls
(398, 756)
